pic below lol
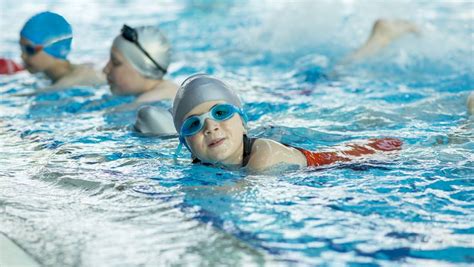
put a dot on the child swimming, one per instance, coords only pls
(45, 42)
(139, 59)
(131, 69)
(209, 119)
(384, 32)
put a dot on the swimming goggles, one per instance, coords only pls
(219, 112)
(131, 35)
(31, 50)
(194, 124)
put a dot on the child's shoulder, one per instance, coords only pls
(82, 75)
(165, 91)
(87, 71)
(267, 153)
(266, 147)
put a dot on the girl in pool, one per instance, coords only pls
(45, 42)
(139, 59)
(210, 121)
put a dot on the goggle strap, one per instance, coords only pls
(239, 111)
(135, 41)
(57, 39)
(178, 149)
(244, 116)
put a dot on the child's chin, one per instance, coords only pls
(218, 159)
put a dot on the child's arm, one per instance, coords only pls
(267, 153)
(356, 150)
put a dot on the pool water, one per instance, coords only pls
(79, 188)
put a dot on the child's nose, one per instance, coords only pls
(210, 125)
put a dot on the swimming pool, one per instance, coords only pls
(79, 188)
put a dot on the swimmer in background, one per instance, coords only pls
(210, 121)
(383, 33)
(139, 59)
(45, 42)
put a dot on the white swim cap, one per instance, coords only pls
(155, 121)
(197, 89)
(152, 40)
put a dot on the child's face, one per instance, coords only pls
(34, 58)
(217, 142)
(122, 78)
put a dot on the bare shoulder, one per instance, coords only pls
(267, 153)
(88, 74)
(170, 84)
(82, 75)
(165, 90)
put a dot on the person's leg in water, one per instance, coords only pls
(384, 32)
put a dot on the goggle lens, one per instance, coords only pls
(194, 124)
(222, 112)
(29, 49)
(191, 126)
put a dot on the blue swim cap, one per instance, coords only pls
(50, 30)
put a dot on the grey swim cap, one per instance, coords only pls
(197, 89)
(155, 121)
(155, 43)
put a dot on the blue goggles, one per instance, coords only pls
(195, 123)
(219, 112)
(30, 50)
